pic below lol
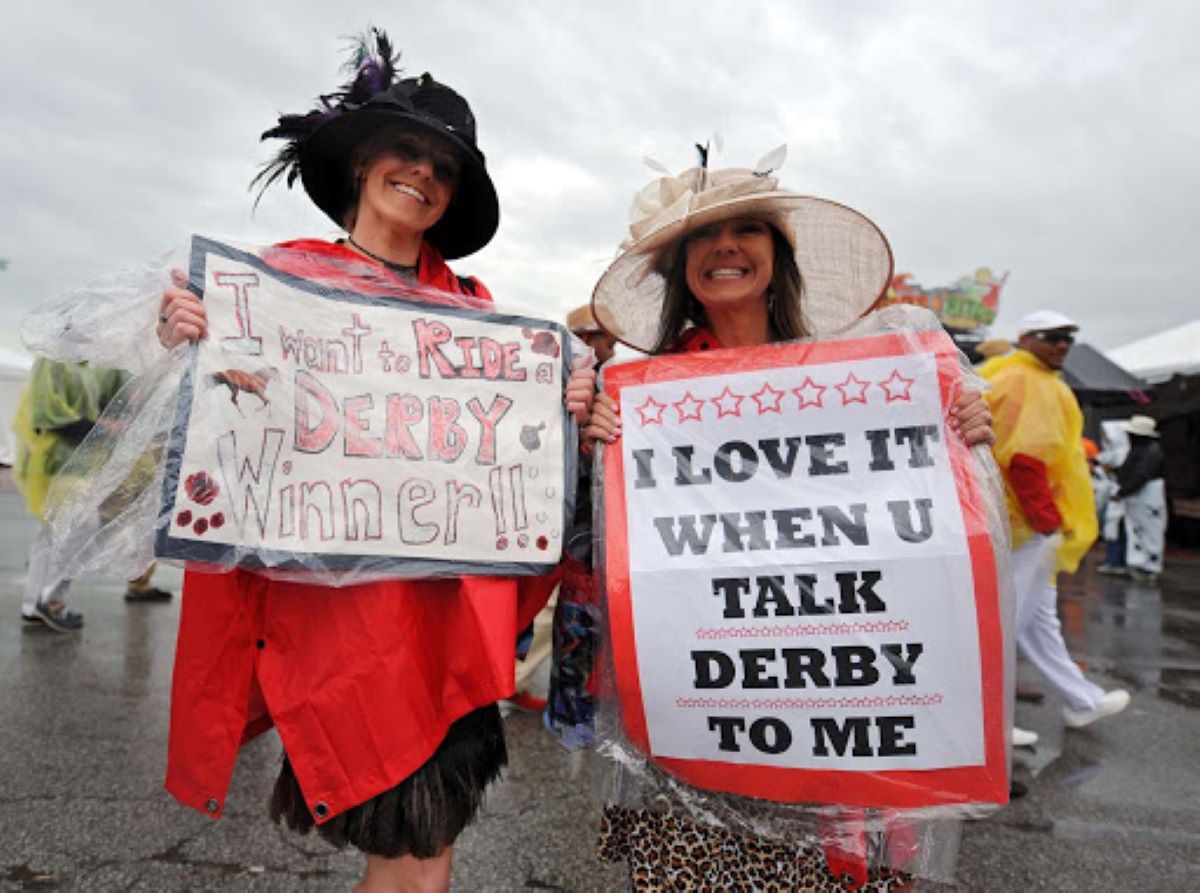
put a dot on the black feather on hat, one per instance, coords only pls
(321, 144)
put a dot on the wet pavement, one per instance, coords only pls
(83, 725)
(1115, 806)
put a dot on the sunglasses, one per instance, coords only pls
(1055, 337)
(445, 165)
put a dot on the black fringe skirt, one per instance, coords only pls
(423, 814)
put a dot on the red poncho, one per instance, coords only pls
(362, 682)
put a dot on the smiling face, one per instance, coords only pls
(406, 183)
(728, 265)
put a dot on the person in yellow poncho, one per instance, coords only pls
(59, 406)
(1039, 447)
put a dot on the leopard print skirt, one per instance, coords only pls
(666, 852)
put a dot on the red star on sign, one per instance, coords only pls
(897, 387)
(728, 403)
(767, 399)
(809, 393)
(853, 390)
(689, 408)
(651, 411)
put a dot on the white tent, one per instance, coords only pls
(14, 372)
(1160, 356)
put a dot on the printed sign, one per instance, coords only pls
(327, 428)
(801, 585)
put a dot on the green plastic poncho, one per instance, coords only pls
(58, 406)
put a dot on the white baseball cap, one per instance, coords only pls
(1045, 321)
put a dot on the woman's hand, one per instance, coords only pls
(581, 390)
(605, 424)
(181, 317)
(972, 420)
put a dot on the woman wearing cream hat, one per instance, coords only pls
(727, 259)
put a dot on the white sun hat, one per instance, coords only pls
(1141, 425)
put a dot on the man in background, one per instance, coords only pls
(59, 407)
(583, 325)
(1052, 510)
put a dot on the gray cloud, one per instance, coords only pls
(1056, 141)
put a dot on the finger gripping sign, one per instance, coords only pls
(331, 429)
(801, 583)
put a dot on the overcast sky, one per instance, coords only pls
(1058, 141)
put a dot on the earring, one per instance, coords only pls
(770, 302)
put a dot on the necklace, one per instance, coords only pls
(391, 265)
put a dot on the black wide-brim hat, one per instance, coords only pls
(320, 145)
(326, 159)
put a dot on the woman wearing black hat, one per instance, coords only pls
(395, 164)
(384, 694)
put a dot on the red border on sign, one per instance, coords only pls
(986, 783)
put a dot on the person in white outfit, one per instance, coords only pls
(1052, 510)
(1141, 490)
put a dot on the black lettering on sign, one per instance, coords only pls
(854, 735)
(767, 734)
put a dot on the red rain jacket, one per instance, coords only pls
(361, 682)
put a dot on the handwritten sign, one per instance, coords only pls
(801, 584)
(327, 428)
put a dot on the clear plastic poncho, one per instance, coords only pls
(744, 540)
(340, 423)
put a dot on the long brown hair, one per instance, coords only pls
(681, 308)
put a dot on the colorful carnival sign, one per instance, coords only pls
(801, 584)
(971, 302)
(327, 428)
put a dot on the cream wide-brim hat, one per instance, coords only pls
(582, 321)
(1141, 425)
(844, 259)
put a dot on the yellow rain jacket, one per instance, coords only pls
(1037, 415)
(60, 402)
